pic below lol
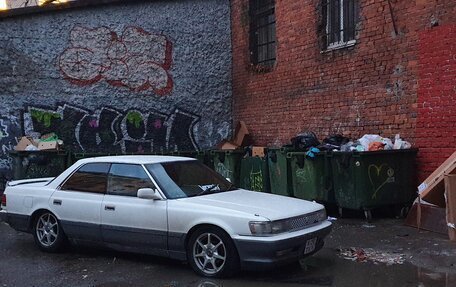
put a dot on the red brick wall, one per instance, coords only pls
(436, 125)
(371, 87)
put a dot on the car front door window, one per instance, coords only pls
(126, 179)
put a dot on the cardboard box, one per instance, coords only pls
(23, 143)
(226, 145)
(51, 145)
(241, 132)
(450, 196)
(433, 188)
(428, 217)
(258, 151)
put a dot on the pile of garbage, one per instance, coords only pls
(368, 254)
(38, 142)
(308, 142)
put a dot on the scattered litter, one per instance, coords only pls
(368, 226)
(84, 276)
(368, 254)
(331, 218)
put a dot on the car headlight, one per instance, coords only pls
(265, 228)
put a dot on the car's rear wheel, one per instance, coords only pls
(212, 253)
(48, 233)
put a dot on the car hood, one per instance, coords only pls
(267, 205)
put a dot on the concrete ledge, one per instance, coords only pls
(52, 8)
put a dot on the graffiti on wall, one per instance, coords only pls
(9, 131)
(137, 60)
(110, 130)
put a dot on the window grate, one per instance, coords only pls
(262, 32)
(340, 19)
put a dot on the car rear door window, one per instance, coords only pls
(91, 177)
(126, 179)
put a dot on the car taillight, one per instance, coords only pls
(4, 199)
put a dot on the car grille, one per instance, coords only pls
(304, 221)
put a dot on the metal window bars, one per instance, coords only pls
(340, 16)
(262, 32)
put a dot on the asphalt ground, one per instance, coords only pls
(426, 259)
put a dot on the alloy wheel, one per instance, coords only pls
(47, 229)
(209, 253)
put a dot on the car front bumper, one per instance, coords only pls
(268, 252)
(2, 215)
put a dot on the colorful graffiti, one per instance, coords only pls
(9, 131)
(110, 130)
(137, 59)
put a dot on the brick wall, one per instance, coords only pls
(436, 126)
(371, 87)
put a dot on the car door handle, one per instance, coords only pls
(110, 207)
(57, 202)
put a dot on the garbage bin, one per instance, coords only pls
(37, 164)
(311, 177)
(368, 180)
(279, 171)
(254, 174)
(228, 164)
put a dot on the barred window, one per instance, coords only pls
(340, 18)
(262, 32)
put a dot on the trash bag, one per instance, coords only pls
(305, 140)
(336, 140)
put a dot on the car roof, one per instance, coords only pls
(136, 159)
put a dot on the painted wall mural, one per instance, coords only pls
(111, 130)
(136, 59)
(131, 77)
(9, 131)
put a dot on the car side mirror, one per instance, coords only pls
(149, 193)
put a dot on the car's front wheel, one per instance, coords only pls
(48, 233)
(212, 253)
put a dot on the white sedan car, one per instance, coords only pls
(167, 206)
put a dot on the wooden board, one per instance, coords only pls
(450, 195)
(432, 189)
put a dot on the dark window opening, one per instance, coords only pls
(340, 19)
(262, 32)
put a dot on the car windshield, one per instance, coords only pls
(187, 179)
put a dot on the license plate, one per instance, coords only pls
(310, 245)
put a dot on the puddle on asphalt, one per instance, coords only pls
(326, 268)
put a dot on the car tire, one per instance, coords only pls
(48, 232)
(212, 253)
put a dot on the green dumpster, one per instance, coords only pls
(254, 174)
(228, 164)
(311, 177)
(37, 164)
(279, 171)
(368, 180)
